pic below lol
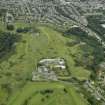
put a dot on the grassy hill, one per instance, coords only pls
(48, 43)
(47, 94)
(16, 69)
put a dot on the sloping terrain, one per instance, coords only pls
(45, 42)
(16, 67)
(47, 94)
(72, 30)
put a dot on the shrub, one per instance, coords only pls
(7, 41)
(10, 27)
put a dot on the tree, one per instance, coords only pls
(7, 41)
(10, 27)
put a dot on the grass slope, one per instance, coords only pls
(31, 95)
(33, 47)
(17, 69)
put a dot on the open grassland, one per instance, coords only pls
(16, 69)
(48, 43)
(36, 94)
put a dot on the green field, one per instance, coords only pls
(33, 94)
(35, 46)
(16, 68)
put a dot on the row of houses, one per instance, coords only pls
(42, 10)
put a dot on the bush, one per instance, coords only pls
(47, 91)
(10, 27)
(92, 52)
(24, 30)
(95, 24)
(65, 90)
(7, 41)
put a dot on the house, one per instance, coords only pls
(55, 63)
(46, 69)
(44, 73)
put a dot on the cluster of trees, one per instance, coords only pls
(7, 41)
(2, 12)
(76, 31)
(10, 27)
(47, 91)
(24, 30)
(92, 53)
(94, 22)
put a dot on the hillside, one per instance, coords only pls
(42, 41)
(52, 52)
(47, 94)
